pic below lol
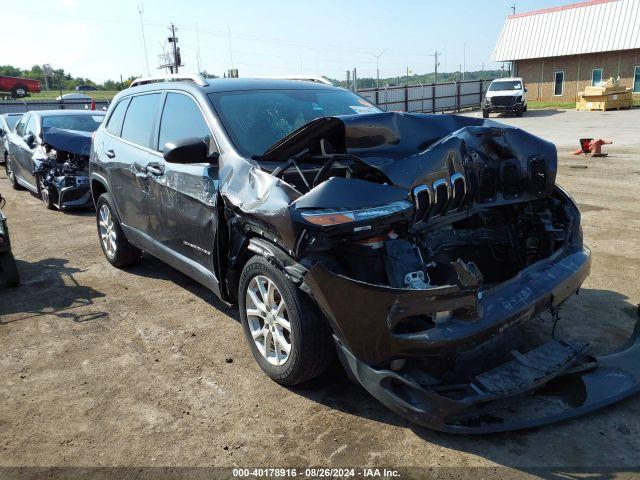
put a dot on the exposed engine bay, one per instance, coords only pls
(61, 168)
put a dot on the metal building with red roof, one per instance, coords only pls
(559, 51)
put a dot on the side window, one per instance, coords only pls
(140, 118)
(22, 123)
(32, 126)
(114, 123)
(596, 76)
(181, 118)
(558, 88)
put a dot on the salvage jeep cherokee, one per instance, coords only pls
(423, 249)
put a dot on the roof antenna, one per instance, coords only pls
(513, 8)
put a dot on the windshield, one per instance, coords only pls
(510, 85)
(257, 119)
(11, 120)
(81, 123)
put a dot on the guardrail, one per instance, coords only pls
(428, 98)
(19, 106)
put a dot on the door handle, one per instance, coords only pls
(110, 153)
(155, 169)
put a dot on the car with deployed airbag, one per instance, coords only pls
(425, 251)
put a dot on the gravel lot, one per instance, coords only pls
(144, 367)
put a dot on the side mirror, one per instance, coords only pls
(2, 132)
(186, 150)
(525, 90)
(29, 139)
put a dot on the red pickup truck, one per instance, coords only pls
(19, 87)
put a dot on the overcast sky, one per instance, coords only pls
(101, 40)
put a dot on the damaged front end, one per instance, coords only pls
(61, 169)
(433, 245)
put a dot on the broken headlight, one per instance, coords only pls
(331, 217)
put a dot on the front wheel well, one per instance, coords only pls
(97, 189)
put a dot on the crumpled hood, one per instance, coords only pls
(70, 141)
(420, 149)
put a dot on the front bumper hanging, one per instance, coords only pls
(553, 382)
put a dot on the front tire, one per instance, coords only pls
(288, 336)
(46, 194)
(116, 248)
(485, 113)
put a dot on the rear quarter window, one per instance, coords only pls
(114, 124)
(140, 119)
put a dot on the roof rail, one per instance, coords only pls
(303, 78)
(172, 77)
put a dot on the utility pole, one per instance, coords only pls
(355, 80)
(377, 67)
(464, 60)
(173, 40)
(230, 50)
(144, 41)
(348, 79)
(435, 56)
(198, 52)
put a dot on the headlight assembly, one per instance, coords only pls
(331, 217)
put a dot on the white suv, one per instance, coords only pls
(505, 95)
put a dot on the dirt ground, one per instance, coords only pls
(144, 367)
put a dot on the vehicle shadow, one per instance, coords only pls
(573, 444)
(48, 287)
(537, 113)
(151, 267)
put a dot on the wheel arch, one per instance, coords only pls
(242, 248)
(98, 187)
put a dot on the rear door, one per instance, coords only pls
(125, 159)
(21, 152)
(183, 196)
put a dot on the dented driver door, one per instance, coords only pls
(182, 197)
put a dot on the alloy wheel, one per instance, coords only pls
(107, 231)
(268, 320)
(44, 193)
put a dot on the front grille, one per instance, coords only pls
(422, 198)
(459, 189)
(503, 101)
(537, 176)
(510, 180)
(441, 194)
(488, 184)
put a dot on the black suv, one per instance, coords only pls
(420, 248)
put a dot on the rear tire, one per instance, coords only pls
(19, 91)
(298, 326)
(8, 270)
(115, 246)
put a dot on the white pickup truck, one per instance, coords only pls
(505, 95)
